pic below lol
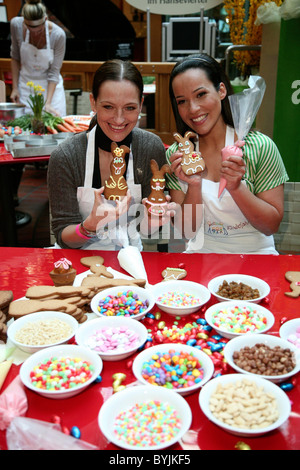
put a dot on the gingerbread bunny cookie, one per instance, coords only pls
(192, 161)
(156, 202)
(115, 187)
(294, 278)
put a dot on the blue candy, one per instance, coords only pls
(286, 386)
(75, 432)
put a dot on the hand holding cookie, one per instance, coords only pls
(192, 162)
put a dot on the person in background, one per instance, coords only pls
(79, 167)
(37, 53)
(250, 209)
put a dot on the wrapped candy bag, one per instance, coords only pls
(244, 107)
(13, 403)
(32, 434)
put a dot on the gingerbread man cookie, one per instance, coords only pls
(95, 264)
(173, 274)
(115, 187)
(192, 161)
(294, 278)
(156, 202)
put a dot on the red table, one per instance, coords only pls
(6, 193)
(21, 268)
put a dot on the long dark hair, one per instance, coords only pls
(214, 73)
(116, 70)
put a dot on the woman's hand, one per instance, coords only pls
(51, 110)
(176, 168)
(233, 169)
(151, 223)
(15, 96)
(104, 212)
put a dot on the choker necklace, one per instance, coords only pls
(103, 142)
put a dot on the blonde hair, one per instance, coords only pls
(33, 10)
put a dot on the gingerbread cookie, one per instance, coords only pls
(156, 202)
(173, 274)
(192, 161)
(6, 296)
(115, 187)
(100, 283)
(63, 273)
(294, 278)
(95, 264)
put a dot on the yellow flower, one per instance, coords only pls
(241, 18)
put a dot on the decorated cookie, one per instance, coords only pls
(115, 187)
(156, 202)
(192, 161)
(95, 264)
(173, 274)
(294, 278)
(63, 273)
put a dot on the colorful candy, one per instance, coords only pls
(147, 424)
(61, 373)
(178, 299)
(173, 369)
(116, 339)
(125, 304)
(239, 319)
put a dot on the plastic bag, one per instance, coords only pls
(32, 434)
(290, 9)
(244, 107)
(13, 403)
(267, 13)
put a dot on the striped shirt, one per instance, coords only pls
(264, 166)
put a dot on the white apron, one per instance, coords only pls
(114, 239)
(225, 229)
(35, 64)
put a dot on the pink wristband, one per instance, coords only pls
(79, 233)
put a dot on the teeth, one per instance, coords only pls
(199, 119)
(117, 128)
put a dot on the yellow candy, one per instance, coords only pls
(161, 325)
(157, 316)
(119, 376)
(196, 373)
(207, 351)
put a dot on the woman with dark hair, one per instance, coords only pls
(80, 166)
(249, 211)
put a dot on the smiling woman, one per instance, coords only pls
(80, 166)
(250, 209)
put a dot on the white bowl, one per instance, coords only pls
(21, 322)
(283, 402)
(89, 328)
(241, 342)
(124, 400)
(72, 351)
(288, 329)
(180, 287)
(225, 332)
(143, 295)
(254, 282)
(146, 355)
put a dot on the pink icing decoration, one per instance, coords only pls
(226, 152)
(63, 262)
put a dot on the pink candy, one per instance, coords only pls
(295, 338)
(115, 339)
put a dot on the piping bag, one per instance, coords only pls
(244, 107)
